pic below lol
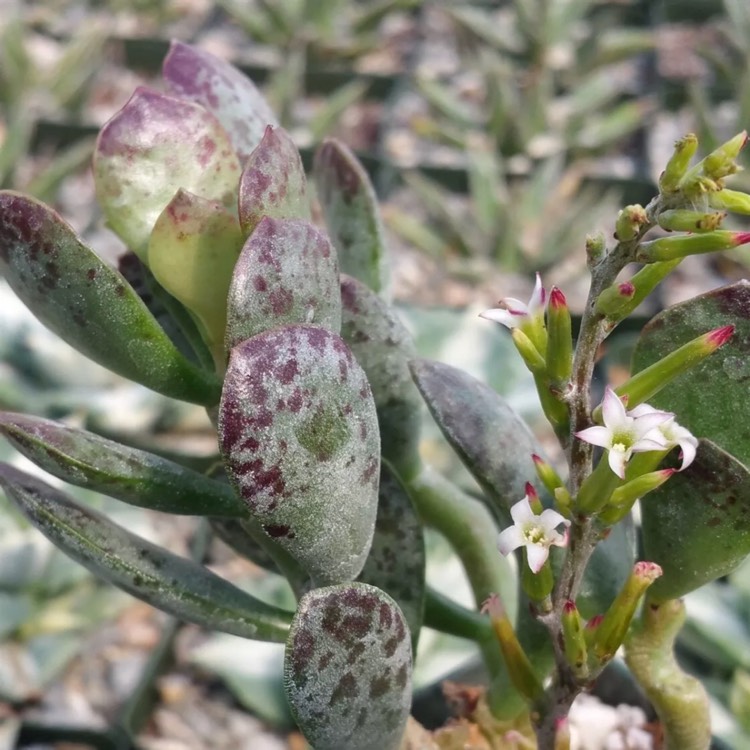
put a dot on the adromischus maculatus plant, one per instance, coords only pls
(315, 388)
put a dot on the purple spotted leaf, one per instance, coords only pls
(227, 93)
(383, 347)
(697, 525)
(351, 214)
(710, 399)
(287, 273)
(174, 584)
(273, 182)
(89, 304)
(128, 474)
(396, 563)
(192, 252)
(490, 438)
(347, 669)
(299, 436)
(155, 145)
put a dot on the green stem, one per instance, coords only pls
(443, 614)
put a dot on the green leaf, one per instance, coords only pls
(396, 563)
(351, 214)
(227, 93)
(175, 584)
(299, 435)
(273, 182)
(192, 251)
(151, 148)
(287, 273)
(347, 669)
(383, 347)
(490, 438)
(133, 476)
(697, 525)
(711, 399)
(89, 304)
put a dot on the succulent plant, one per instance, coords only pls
(286, 335)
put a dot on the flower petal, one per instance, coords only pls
(521, 512)
(510, 539)
(647, 422)
(498, 315)
(550, 520)
(689, 449)
(613, 410)
(617, 459)
(601, 436)
(538, 296)
(536, 555)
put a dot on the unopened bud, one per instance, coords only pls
(623, 498)
(576, 652)
(595, 249)
(547, 475)
(730, 200)
(678, 164)
(671, 248)
(616, 621)
(559, 339)
(682, 220)
(629, 222)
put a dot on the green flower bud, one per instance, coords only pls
(559, 339)
(623, 498)
(678, 164)
(730, 200)
(722, 162)
(547, 475)
(671, 248)
(595, 249)
(682, 220)
(629, 222)
(574, 642)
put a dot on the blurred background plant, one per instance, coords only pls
(498, 133)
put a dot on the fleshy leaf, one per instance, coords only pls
(351, 214)
(490, 438)
(383, 347)
(347, 669)
(151, 148)
(174, 584)
(697, 525)
(711, 399)
(192, 251)
(287, 273)
(89, 304)
(396, 563)
(273, 182)
(299, 435)
(133, 476)
(227, 93)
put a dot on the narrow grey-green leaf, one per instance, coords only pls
(396, 563)
(128, 474)
(383, 347)
(177, 585)
(89, 304)
(351, 214)
(710, 399)
(299, 435)
(697, 525)
(491, 439)
(273, 182)
(287, 273)
(347, 669)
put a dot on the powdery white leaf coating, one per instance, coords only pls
(174, 584)
(287, 273)
(383, 347)
(273, 182)
(155, 145)
(347, 669)
(227, 93)
(351, 213)
(89, 304)
(299, 436)
(134, 476)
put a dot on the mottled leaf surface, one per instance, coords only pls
(192, 251)
(491, 439)
(287, 273)
(273, 182)
(194, 74)
(171, 583)
(383, 347)
(89, 304)
(351, 214)
(711, 399)
(299, 435)
(347, 669)
(396, 563)
(133, 476)
(155, 145)
(697, 525)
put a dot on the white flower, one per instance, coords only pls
(673, 434)
(535, 532)
(624, 434)
(512, 312)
